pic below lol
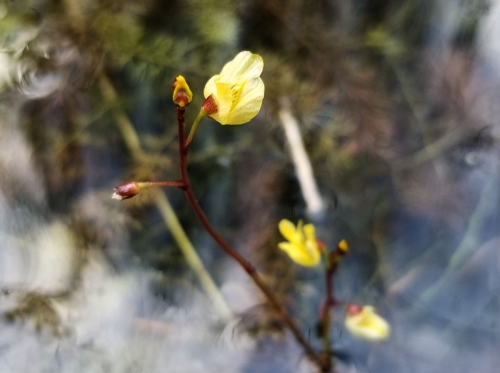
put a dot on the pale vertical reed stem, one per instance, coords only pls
(300, 160)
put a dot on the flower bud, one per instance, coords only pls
(340, 251)
(182, 95)
(343, 247)
(126, 191)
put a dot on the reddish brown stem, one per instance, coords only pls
(325, 313)
(245, 264)
(330, 297)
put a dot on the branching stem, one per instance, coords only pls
(245, 264)
(322, 361)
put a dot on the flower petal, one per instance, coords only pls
(224, 97)
(309, 232)
(210, 87)
(298, 254)
(367, 325)
(287, 229)
(245, 65)
(311, 243)
(248, 104)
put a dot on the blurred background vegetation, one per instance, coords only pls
(397, 107)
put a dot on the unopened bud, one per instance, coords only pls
(126, 191)
(182, 95)
(340, 251)
(343, 247)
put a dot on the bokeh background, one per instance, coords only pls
(379, 125)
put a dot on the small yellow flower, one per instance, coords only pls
(365, 323)
(235, 95)
(302, 246)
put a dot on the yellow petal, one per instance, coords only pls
(287, 229)
(311, 243)
(309, 232)
(248, 104)
(224, 98)
(210, 87)
(244, 66)
(367, 325)
(299, 254)
(300, 224)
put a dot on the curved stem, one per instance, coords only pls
(245, 264)
(201, 114)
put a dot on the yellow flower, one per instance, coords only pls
(302, 246)
(365, 323)
(235, 95)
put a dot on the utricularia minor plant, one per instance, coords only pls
(235, 97)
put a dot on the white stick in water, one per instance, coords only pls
(300, 160)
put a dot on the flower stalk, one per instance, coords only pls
(200, 115)
(331, 264)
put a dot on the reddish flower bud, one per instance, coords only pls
(126, 191)
(353, 309)
(182, 99)
(321, 245)
(182, 95)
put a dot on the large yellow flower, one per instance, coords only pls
(302, 246)
(365, 323)
(235, 95)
